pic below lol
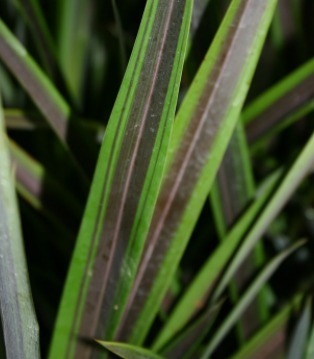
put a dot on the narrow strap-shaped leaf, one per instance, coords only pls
(122, 48)
(75, 18)
(270, 341)
(310, 345)
(184, 346)
(19, 120)
(234, 181)
(127, 351)
(36, 21)
(17, 313)
(41, 189)
(39, 87)
(8, 87)
(126, 183)
(205, 279)
(48, 199)
(202, 130)
(299, 337)
(235, 188)
(276, 107)
(198, 12)
(45, 96)
(300, 168)
(246, 298)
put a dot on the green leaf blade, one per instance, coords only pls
(185, 345)
(247, 297)
(32, 12)
(271, 339)
(235, 189)
(299, 338)
(282, 104)
(20, 63)
(204, 281)
(47, 98)
(126, 182)
(21, 333)
(310, 345)
(74, 32)
(42, 190)
(293, 178)
(203, 127)
(128, 351)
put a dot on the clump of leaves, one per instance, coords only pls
(191, 202)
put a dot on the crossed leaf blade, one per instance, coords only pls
(202, 130)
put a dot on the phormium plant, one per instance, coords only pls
(146, 204)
